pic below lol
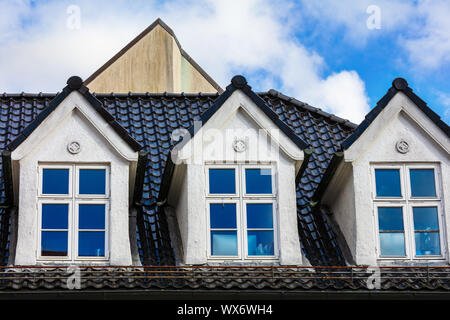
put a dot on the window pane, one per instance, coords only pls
(222, 181)
(259, 215)
(260, 243)
(55, 216)
(392, 244)
(92, 181)
(54, 243)
(223, 215)
(427, 243)
(425, 218)
(224, 243)
(91, 216)
(390, 219)
(55, 181)
(258, 181)
(388, 182)
(91, 243)
(422, 183)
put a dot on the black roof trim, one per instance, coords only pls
(75, 83)
(239, 82)
(398, 85)
(139, 37)
(327, 176)
(7, 174)
(140, 177)
(308, 107)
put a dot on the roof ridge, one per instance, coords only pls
(141, 35)
(301, 104)
(153, 94)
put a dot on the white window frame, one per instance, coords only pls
(73, 199)
(407, 202)
(241, 199)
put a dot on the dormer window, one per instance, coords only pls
(409, 211)
(73, 207)
(241, 205)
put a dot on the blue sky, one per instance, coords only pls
(340, 56)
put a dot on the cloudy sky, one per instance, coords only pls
(338, 55)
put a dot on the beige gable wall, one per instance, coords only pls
(156, 64)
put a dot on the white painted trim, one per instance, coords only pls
(75, 101)
(407, 203)
(236, 178)
(239, 101)
(241, 201)
(54, 166)
(74, 199)
(399, 104)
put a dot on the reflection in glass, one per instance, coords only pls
(55, 215)
(392, 244)
(422, 183)
(92, 181)
(222, 181)
(54, 243)
(223, 215)
(258, 181)
(91, 216)
(426, 227)
(91, 243)
(259, 215)
(224, 243)
(55, 181)
(390, 218)
(388, 182)
(427, 243)
(260, 243)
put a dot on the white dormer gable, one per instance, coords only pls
(401, 140)
(74, 138)
(237, 138)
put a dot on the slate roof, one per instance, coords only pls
(150, 119)
(223, 279)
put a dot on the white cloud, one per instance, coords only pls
(225, 37)
(421, 28)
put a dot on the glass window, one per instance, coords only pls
(242, 219)
(92, 181)
(224, 243)
(422, 183)
(91, 216)
(55, 181)
(426, 231)
(71, 227)
(392, 232)
(54, 243)
(54, 235)
(388, 182)
(259, 215)
(258, 181)
(91, 243)
(223, 229)
(409, 223)
(55, 215)
(222, 181)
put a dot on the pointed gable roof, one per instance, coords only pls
(398, 85)
(74, 83)
(143, 34)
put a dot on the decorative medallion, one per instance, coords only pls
(402, 146)
(74, 147)
(239, 145)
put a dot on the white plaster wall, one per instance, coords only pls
(216, 146)
(50, 146)
(401, 119)
(340, 197)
